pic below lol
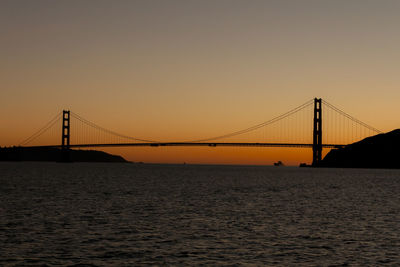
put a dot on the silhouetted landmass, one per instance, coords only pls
(54, 154)
(379, 151)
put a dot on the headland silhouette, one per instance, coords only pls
(56, 154)
(378, 151)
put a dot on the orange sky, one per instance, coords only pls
(177, 69)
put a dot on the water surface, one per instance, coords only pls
(128, 214)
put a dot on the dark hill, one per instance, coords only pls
(54, 154)
(379, 151)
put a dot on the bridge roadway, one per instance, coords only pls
(161, 144)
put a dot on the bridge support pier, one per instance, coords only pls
(65, 135)
(317, 132)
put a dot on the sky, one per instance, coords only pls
(187, 69)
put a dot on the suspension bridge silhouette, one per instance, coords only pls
(301, 127)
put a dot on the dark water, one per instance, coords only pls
(129, 215)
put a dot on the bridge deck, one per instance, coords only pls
(194, 144)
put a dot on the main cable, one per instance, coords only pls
(91, 124)
(255, 127)
(351, 117)
(41, 130)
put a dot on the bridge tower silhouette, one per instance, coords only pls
(65, 136)
(317, 132)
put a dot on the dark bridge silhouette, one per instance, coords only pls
(317, 133)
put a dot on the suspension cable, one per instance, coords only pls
(351, 117)
(41, 130)
(255, 127)
(91, 124)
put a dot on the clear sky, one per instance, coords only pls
(181, 69)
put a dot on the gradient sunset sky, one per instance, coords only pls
(192, 69)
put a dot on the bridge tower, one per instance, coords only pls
(317, 132)
(65, 135)
(65, 130)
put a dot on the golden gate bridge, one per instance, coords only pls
(305, 126)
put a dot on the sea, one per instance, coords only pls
(120, 214)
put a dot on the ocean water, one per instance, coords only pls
(89, 214)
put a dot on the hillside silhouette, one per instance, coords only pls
(379, 151)
(54, 154)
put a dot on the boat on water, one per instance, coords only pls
(279, 163)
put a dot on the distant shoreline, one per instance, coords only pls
(17, 154)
